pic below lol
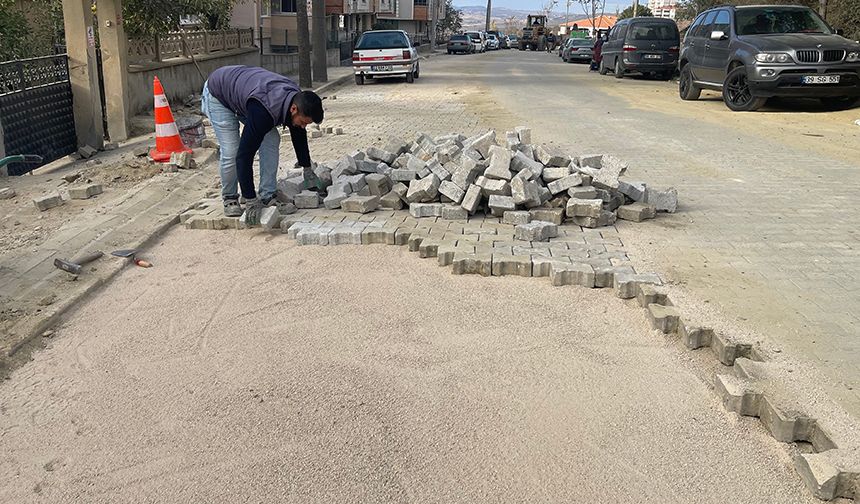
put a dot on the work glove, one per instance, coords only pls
(311, 181)
(253, 207)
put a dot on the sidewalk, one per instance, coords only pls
(35, 294)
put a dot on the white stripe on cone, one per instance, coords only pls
(166, 130)
(161, 101)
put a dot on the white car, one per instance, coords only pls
(478, 39)
(385, 53)
(492, 42)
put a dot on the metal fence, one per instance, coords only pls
(36, 109)
(185, 43)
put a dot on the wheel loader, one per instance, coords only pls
(534, 34)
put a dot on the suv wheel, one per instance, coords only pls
(619, 70)
(602, 70)
(839, 102)
(687, 89)
(737, 94)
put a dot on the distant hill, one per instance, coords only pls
(474, 17)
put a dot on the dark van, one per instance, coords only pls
(642, 44)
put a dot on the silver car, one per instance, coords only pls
(578, 50)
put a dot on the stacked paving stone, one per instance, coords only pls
(453, 177)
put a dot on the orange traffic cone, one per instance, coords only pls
(167, 140)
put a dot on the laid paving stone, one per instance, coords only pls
(627, 285)
(378, 235)
(517, 265)
(651, 294)
(419, 210)
(604, 276)
(360, 204)
(313, 236)
(48, 202)
(695, 337)
(664, 318)
(536, 231)
(465, 263)
(346, 235)
(572, 274)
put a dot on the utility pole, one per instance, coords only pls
(319, 45)
(489, 14)
(822, 8)
(433, 17)
(304, 45)
(635, 7)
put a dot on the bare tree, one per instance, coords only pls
(548, 6)
(304, 44)
(512, 24)
(320, 60)
(591, 9)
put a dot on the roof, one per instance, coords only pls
(599, 22)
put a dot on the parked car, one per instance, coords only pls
(385, 53)
(460, 44)
(642, 44)
(753, 53)
(578, 50)
(492, 42)
(478, 40)
(503, 39)
(513, 41)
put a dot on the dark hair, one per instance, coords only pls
(309, 104)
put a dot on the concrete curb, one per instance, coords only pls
(34, 329)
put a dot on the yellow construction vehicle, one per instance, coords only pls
(534, 34)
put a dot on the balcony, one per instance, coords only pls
(334, 7)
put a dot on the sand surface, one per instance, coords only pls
(243, 368)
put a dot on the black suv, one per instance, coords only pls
(753, 53)
(646, 45)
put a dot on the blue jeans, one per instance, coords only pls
(225, 123)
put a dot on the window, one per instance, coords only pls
(691, 31)
(382, 40)
(653, 31)
(704, 29)
(722, 22)
(764, 20)
(421, 2)
(287, 6)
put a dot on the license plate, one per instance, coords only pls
(653, 56)
(381, 68)
(821, 79)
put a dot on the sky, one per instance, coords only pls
(535, 5)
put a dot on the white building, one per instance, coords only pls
(663, 8)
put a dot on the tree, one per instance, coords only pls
(513, 24)
(451, 22)
(593, 9)
(305, 79)
(149, 17)
(642, 11)
(320, 60)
